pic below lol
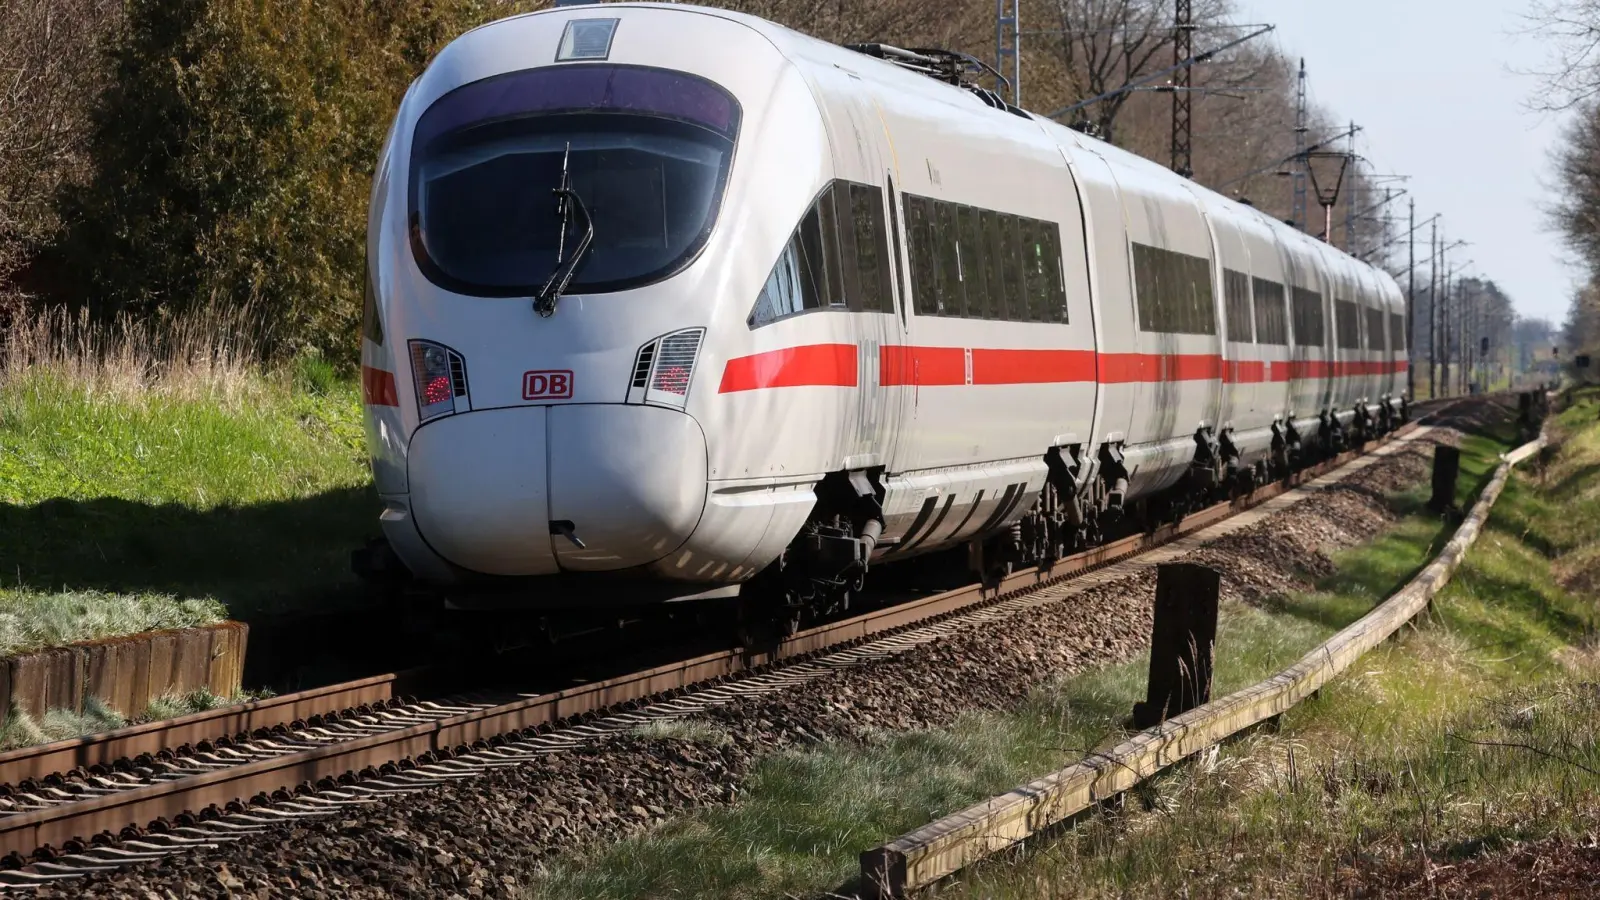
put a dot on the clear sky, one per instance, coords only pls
(1434, 84)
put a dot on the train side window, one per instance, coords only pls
(1236, 289)
(1174, 291)
(1375, 338)
(872, 251)
(919, 243)
(1011, 274)
(1308, 317)
(1050, 264)
(1030, 234)
(799, 280)
(971, 232)
(1346, 325)
(991, 257)
(1271, 322)
(833, 208)
(953, 301)
(1397, 331)
(1202, 290)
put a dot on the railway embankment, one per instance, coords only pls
(1461, 760)
(779, 791)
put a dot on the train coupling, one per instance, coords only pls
(378, 564)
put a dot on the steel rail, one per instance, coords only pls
(71, 823)
(154, 737)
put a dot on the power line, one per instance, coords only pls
(1197, 58)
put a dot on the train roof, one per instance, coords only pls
(793, 43)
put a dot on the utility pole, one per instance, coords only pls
(1182, 79)
(1008, 42)
(1433, 312)
(1298, 211)
(1411, 303)
(1354, 201)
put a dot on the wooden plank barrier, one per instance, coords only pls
(922, 857)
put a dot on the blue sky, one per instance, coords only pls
(1434, 85)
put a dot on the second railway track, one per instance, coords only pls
(140, 793)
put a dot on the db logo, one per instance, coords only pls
(547, 384)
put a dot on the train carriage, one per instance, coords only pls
(683, 300)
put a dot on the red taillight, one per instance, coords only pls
(673, 380)
(437, 391)
(440, 377)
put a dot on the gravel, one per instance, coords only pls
(484, 836)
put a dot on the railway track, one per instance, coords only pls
(141, 793)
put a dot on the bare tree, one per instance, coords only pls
(50, 70)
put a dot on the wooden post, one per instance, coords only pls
(1181, 642)
(1446, 466)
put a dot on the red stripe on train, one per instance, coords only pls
(824, 365)
(835, 365)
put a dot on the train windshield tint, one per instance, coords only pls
(649, 167)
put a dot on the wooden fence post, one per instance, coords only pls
(1446, 466)
(1181, 642)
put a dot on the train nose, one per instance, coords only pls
(536, 490)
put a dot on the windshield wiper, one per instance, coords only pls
(566, 198)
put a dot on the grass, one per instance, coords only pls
(1460, 739)
(152, 476)
(804, 816)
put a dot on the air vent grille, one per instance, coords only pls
(458, 374)
(641, 367)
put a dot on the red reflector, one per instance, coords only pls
(377, 387)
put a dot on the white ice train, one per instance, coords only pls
(801, 309)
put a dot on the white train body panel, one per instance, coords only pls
(699, 476)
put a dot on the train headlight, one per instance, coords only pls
(664, 367)
(441, 378)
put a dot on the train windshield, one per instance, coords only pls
(648, 151)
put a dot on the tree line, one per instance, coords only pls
(1571, 85)
(159, 157)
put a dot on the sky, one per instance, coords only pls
(1434, 85)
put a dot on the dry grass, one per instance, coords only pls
(214, 353)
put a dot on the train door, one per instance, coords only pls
(862, 149)
(1111, 306)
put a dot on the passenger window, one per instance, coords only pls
(924, 268)
(872, 256)
(1375, 337)
(1050, 262)
(994, 263)
(1236, 287)
(1347, 327)
(1012, 272)
(948, 251)
(828, 238)
(1033, 272)
(1308, 317)
(1397, 331)
(1173, 291)
(972, 278)
(1271, 321)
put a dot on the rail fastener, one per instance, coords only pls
(942, 848)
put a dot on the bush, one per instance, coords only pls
(233, 157)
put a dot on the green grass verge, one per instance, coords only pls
(154, 503)
(1474, 732)
(805, 815)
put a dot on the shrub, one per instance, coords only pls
(233, 156)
